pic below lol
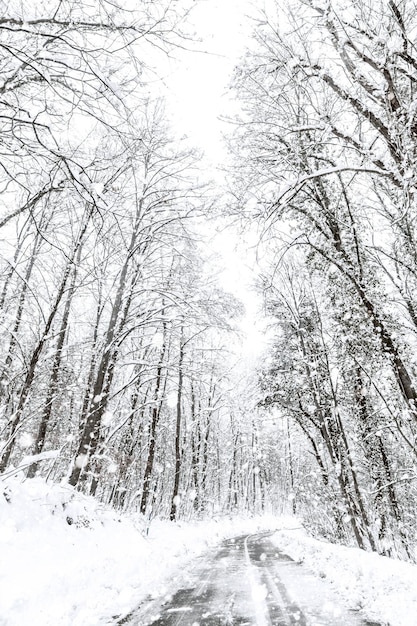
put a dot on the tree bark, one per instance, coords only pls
(56, 367)
(175, 492)
(156, 411)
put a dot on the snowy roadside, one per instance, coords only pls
(67, 561)
(384, 589)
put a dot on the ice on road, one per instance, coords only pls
(248, 581)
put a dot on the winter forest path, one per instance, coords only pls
(246, 582)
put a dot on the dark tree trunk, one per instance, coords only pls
(175, 493)
(56, 367)
(156, 411)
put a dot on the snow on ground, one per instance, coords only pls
(67, 561)
(384, 589)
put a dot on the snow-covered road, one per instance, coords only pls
(248, 581)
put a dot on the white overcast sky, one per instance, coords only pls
(198, 80)
(198, 84)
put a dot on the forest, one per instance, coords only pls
(121, 372)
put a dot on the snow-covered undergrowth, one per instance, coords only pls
(384, 589)
(66, 561)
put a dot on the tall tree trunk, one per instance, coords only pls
(371, 449)
(400, 371)
(89, 440)
(30, 375)
(329, 431)
(56, 367)
(19, 314)
(175, 493)
(156, 411)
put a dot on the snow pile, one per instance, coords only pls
(66, 561)
(384, 589)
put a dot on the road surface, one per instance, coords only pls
(247, 582)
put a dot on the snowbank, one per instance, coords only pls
(384, 589)
(66, 561)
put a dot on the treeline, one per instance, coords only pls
(114, 372)
(327, 147)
